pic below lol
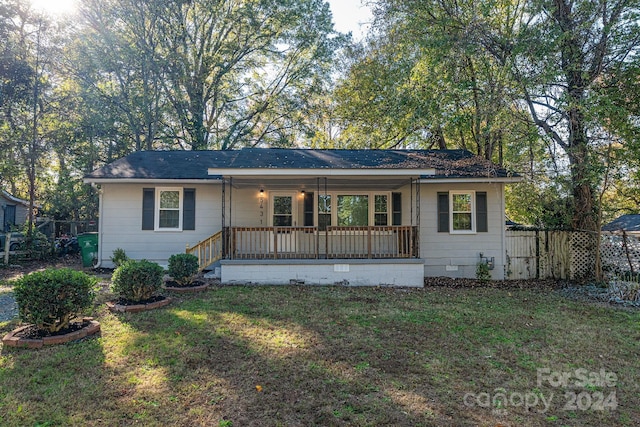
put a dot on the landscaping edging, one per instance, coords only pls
(121, 308)
(188, 289)
(11, 340)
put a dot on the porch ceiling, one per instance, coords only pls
(311, 184)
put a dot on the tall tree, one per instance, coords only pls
(554, 56)
(115, 59)
(208, 73)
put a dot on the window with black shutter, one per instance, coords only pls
(443, 212)
(308, 209)
(396, 208)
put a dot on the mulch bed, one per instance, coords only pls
(126, 302)
(32, 332)
(126, 306)
(449, 282)
(30, 336)
(194, 286)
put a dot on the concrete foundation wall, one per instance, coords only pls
(325, 272)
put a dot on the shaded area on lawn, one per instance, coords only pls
(328, 356)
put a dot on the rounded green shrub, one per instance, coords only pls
(51, 299)
(119, 257)
(137, 280)
(182, 267)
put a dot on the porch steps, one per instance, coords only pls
(208, 250)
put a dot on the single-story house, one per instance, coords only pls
(629, 223)
(13, 211)
(261, 215)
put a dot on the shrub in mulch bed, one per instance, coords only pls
(136, 283)
(50, 301)
(183, 268)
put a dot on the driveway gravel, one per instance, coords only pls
(8, 307)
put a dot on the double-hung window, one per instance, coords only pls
(462, 208)
(381, 210)
(462, 212)
(169, 208)
(324, 211)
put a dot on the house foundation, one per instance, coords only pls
(346, 272)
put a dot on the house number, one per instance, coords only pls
(261, 209)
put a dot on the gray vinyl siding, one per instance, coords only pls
(21, 211)
(121, 223)
(461, 252)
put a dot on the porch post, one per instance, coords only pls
(231, 232)
(225, 237)
(417, 233)
(326, 229)
(318, 218)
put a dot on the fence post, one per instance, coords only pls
(7, 246)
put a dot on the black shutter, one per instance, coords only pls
(396, 208)
(481, 212)
(189, 209)
(308, 209)
(443, 212)
(148, 208)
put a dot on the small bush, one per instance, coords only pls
(35, 245)
(119, 257)
(50, 299)
(624, 290)
(483, 273)
(182, 267)
(137, 280)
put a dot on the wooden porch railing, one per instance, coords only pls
(273, 242)
(208, 251)
(373, 242)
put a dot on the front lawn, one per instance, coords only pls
(299, 356)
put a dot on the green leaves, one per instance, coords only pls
(137, 280)
(50, 299)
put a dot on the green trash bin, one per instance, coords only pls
(88, 243)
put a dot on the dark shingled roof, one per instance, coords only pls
(625, 222)
(194, 164)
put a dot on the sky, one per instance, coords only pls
(54, 7)
(348, 15)
(351, 15)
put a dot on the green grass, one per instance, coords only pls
(328, 356)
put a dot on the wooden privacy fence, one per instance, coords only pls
(542, 254)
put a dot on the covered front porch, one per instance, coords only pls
(327, 227)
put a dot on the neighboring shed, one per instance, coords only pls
(13, 212)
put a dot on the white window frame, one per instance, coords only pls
(160, 190)
(294, 206)
(316, 209)
(334, 205)
(472, 193)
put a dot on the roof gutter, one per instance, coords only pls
(212, 180)
(487, 180)
(314, 172)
